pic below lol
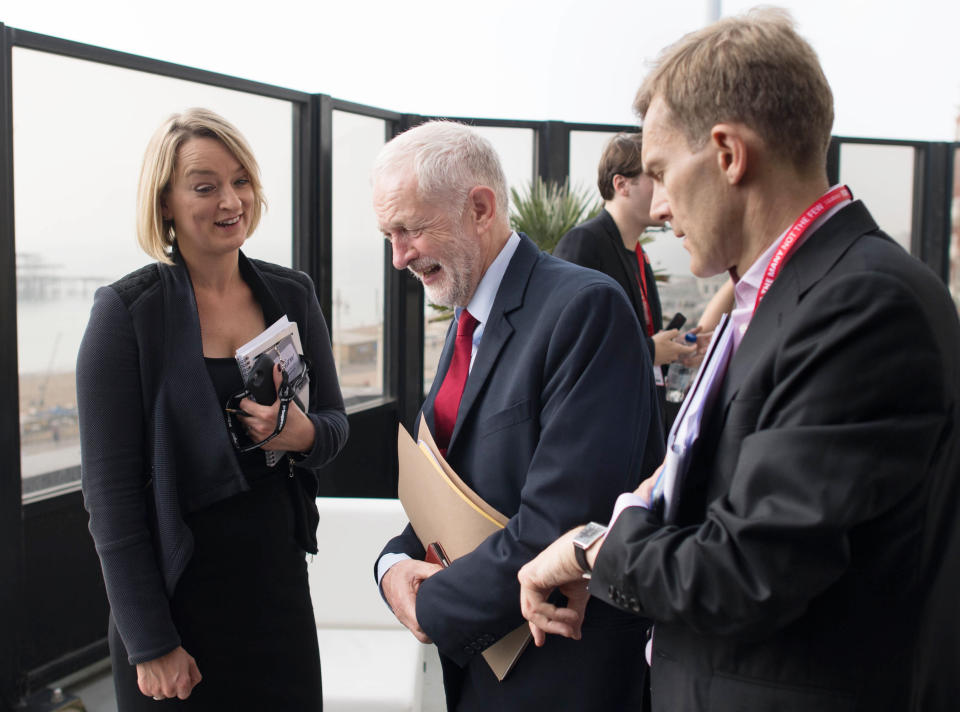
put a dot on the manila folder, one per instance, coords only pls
(442, 508)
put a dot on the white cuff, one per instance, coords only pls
(385, 562)
(627, 499)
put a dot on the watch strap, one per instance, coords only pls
(581, 556)
(584, 539)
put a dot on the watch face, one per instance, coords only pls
(583, 541)
(589, 534)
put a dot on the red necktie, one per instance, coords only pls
(447, 402)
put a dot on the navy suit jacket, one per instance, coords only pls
(814, 559)
(597, 244)
(552, 427)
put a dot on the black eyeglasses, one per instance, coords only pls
(287, 393)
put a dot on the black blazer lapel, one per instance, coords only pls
(498, 329)
(183, 347)
(190, 395)
(807, 267)
(618, 256)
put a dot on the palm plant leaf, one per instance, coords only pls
(546, 211)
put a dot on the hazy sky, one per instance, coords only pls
(894, 66)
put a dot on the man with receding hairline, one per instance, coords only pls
(543, 404)
(799, 548)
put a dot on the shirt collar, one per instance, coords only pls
(482, 301)
(745, 290)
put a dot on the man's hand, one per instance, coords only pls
(703, 343)
(400, 585)
(554, 568)
(666, 350)
(172, 675)
(645, 489)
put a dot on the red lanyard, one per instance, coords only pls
(789, 241)
(642, 261)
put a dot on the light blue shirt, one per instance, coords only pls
(482, 301)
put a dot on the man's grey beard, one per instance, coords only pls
(454, 292)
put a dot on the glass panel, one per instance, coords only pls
(515, 148)
(955, 232)
(80, 130)
(679, 290)
(585, 150)
(436, 321)
(358, 258)
(882, 177)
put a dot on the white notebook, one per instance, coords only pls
(283, 339)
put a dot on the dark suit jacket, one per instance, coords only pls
(814, 549)
(153, 440)
(597, 244)
(551, 429)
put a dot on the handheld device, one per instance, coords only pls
(436, 555)
(260, 380)
(676, 322)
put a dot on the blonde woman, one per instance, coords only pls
(202, 544)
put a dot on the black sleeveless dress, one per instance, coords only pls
(242, 606)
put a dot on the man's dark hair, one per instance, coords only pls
(621, 156)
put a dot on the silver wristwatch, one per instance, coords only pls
(584, 539)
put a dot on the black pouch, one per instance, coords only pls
(260, 380)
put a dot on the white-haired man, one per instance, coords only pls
(540, 405)
(799, 549)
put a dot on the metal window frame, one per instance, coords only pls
(11, 509)
(931, 206)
